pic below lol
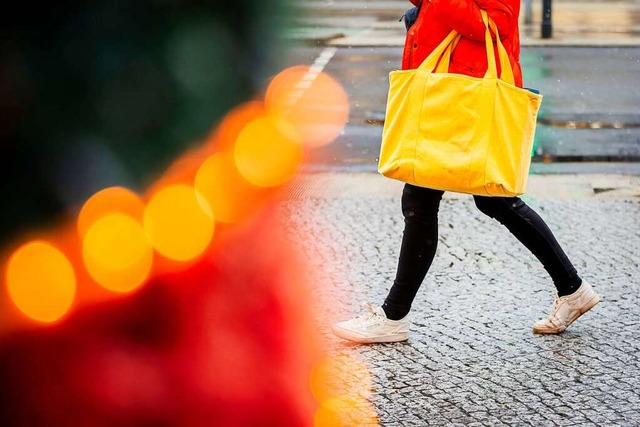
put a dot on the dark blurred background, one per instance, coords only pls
(101, 93)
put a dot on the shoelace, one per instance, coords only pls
(556, 304)
(371, 315)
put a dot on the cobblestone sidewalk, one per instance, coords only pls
(471, 358)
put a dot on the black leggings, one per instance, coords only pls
(420, 238)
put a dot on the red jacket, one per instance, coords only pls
(438, 17)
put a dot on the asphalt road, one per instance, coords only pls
(590, 113)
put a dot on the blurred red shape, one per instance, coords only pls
(227, 342)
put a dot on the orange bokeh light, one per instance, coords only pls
(41, 281)
(342, 384)
(109, 200)
(345, 411)
(178, 223)
(116, 253)
(230, 196)
(339, 375)
(225, 134)
(313, 102)
(266, 154)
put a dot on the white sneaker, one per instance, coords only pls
(373, 327)
(567, 309)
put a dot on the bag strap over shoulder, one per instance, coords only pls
(441, 55)
(430, 62)
(506, 71)
(445, 59)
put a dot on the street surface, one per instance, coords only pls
(588, 73)
(591, 109)
(471, 358)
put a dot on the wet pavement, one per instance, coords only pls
(588, 73)
(591, 109)
(374, 22)
(472, 358)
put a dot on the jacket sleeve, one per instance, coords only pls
(464, 16)
(416, 3)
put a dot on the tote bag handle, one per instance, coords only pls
(441, 55)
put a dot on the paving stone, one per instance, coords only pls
(471, 358)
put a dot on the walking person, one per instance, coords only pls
(574, 297)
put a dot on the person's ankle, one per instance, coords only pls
(393, 314)
(572, 288)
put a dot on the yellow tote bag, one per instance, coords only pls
(459, 133)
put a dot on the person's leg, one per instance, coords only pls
(419, 241)
(389, 322)
(531, 230)
(575, 296)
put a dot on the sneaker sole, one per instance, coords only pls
(588, 306)
(369, 340)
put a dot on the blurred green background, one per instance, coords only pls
(101, 93)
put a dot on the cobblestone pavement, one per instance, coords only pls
(471, 358)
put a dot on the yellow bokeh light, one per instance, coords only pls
(313, 102)
(116, 253)
(178, 224)
(230, 196)
(109, 200)
(266, 154)
(344, 411)
(340, 375)
(225, 134)
(41, 281)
